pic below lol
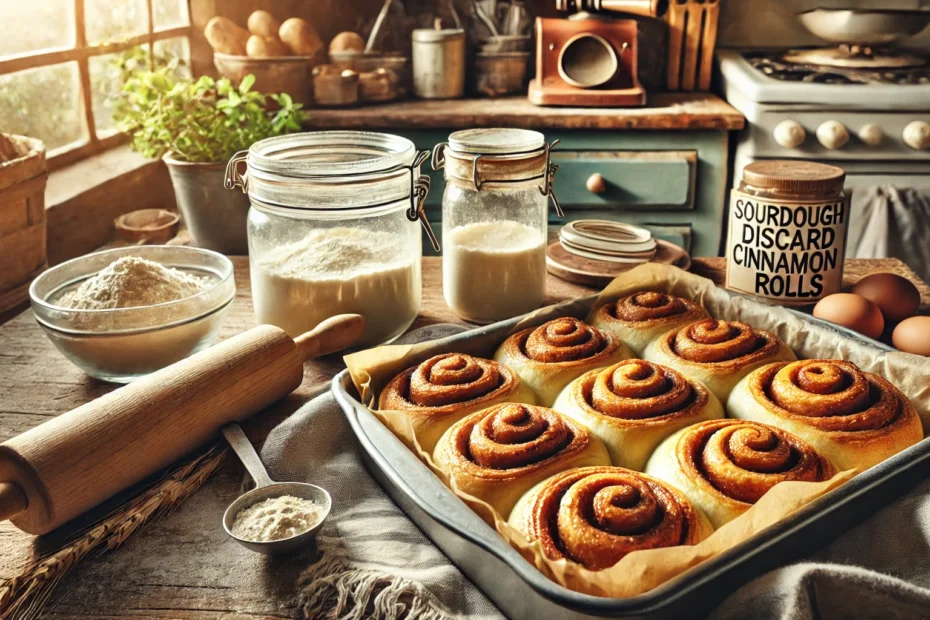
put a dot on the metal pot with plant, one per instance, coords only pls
(195, 126)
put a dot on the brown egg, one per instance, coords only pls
(913, 335)
(895, 296)
(347, 42)
(852, 311)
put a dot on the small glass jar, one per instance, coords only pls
(786, 238)
(494, 221)
(332, 229)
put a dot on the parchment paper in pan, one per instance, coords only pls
(641, 571)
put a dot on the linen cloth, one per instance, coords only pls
(377, 564)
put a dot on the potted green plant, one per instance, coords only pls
(195, 126)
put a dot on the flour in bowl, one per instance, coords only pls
(337, 271)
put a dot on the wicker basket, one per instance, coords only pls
(23, 176)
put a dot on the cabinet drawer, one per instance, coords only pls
(650, 180)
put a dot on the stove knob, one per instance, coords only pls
(596, 184)
(789, 134)
(832, 135)
(917, 135)
(871, 134)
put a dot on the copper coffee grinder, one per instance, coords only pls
(590, 59)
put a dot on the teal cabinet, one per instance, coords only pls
(672, 182)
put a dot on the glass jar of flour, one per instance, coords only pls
(494, 217)
(333, 229)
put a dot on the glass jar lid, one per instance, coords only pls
(328, 170)
(493, 141)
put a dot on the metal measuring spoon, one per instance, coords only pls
(266, 488)
(333, 334)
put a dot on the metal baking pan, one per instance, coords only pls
(520, 591)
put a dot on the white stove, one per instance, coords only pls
(872, 121)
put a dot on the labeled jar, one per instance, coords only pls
(333, 229)
(786, 240)
(494, 221)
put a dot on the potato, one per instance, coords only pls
(265, 47)
(263, 24)
(300, 37)
(225, 36)
(347, 42)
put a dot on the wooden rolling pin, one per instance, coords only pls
(62, 468)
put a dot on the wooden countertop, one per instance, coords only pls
(176, 567)
(665, 111)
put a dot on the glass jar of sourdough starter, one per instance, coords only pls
(333, 229)
(494, 217)
(786, 239)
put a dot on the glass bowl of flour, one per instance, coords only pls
(122, 314)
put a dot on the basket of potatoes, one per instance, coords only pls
(279, 55)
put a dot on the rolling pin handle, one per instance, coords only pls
(12, 500)
(333, 334)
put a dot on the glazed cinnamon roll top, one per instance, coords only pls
(652, 307)
(711, 342)
(514, 436)
(565, 339)
(829, 395)
(447, 379)
(597, 515)
(742, 460)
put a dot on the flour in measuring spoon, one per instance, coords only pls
(494, 270)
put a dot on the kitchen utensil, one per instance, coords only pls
(123, 344)
(864, 26)
(486, 19)
(587, 62)
(57, 470)
(266, 488)
(692, 37)
(376, 29)
(438, 63)
(152, 226)
(515, 18)
(645, 8)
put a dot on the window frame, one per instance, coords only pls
(81, 53)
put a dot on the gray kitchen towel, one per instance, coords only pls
(377, 564)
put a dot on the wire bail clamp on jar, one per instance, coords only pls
(438, 162)
(419, 186)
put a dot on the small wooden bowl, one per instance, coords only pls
(150, 226)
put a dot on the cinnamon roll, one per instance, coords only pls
(717, 353)
(499, 453)
(640, 318)
(549, 356)
(725, 466)
(855, 418)
(634, 404)
(437, 393)
(594, 516)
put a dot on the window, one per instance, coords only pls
(61, 64)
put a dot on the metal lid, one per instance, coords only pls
(794, 176)
(494, 141)
(432, 35)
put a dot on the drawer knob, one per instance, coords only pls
(832, 135)
(596, 184)
(789, 134)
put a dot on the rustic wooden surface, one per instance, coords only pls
(183, 565)
(663, 111)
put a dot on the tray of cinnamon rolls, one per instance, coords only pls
(642, 452)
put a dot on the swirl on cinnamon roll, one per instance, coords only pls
(549, 356)
(640, 318)
(717, 353)
(634, 404)
(726, 466)
(438, 392)
(855, 418)
(500, 452)
(595, 516)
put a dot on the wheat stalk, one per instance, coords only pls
(24, 596)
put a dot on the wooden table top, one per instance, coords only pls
(176, 567)
(664, 111)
